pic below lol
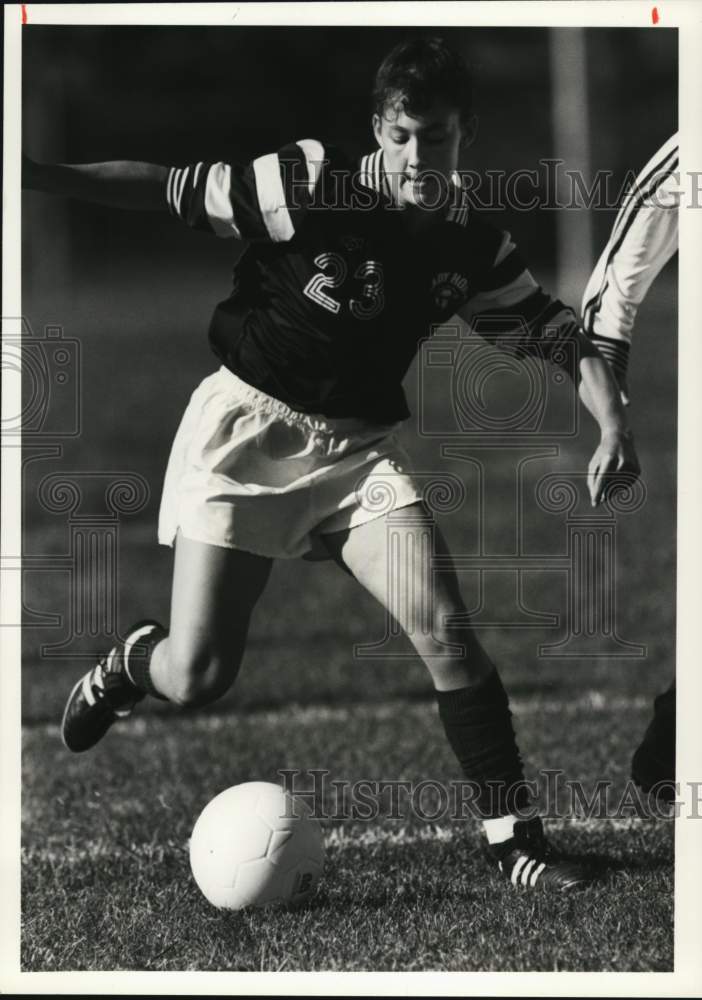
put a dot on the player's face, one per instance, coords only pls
(421, 154)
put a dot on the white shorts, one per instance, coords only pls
(247, 472)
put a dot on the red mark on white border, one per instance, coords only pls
(654, 15)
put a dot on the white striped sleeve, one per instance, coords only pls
(314, 160)
(218, 202)
(643, 239)
(265, 200)
(271, 198)
(200, 195)
(285, 184)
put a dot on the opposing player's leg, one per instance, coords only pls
(214, 592)
(404, 562)
(653, 762)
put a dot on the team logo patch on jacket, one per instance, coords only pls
(352, 243)
(449, 290)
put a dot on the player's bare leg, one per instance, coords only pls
(473, 705)
(430, 599)
(214, 592)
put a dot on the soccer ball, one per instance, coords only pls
(255, 844)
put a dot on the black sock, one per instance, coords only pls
(478, 725)
(138, 666)
(655, 756)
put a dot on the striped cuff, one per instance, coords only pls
(139, 645)
(616, 352)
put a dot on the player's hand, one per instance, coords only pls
(613, 466)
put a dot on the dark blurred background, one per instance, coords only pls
(136, 290)
(179, 94)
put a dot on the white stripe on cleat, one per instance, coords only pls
(88, 688)
(518, 865)
(526, 870)
(535, 874)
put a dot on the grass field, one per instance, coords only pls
(106, 882)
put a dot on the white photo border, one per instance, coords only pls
(686, 980)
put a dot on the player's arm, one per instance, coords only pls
(600, 395)
(513, 312)
(118, 183)
(265, 200)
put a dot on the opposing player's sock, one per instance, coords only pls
(108, 692)
(478, 726)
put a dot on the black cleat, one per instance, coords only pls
(105, 694)
(529, 861)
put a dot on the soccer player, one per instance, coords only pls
(348, 266)
(643, 239)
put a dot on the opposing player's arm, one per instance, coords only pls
(643, 239)
(600, 395)
(126, 184)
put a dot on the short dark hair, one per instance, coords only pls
(419, 72)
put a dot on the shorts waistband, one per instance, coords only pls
(313, 421)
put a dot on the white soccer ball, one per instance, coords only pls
(255, 844)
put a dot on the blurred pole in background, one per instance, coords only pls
(46, 270)
(571, 142)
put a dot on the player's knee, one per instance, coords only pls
(450, 648)
(448, 628)
(199, 677)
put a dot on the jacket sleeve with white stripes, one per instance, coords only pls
(262, 201)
